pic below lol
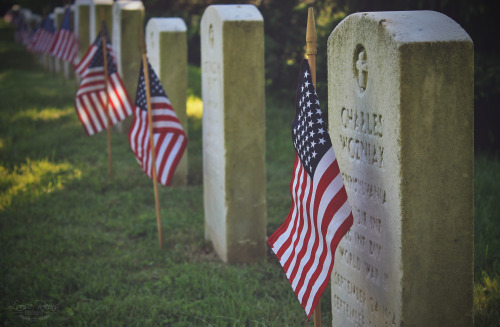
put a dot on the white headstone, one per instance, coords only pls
(97, 9)
(82, 26)
(58, 17)
(166, 42)
(128, 33)
(400, 96)
(234, 179)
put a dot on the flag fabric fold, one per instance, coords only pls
(92, 96)
(320, 214)
(169, 137)
(65, 45)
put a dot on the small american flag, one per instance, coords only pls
(169, 137)
(84, 63)
(45, 36)
(91, 96)
(65, 44)
(320, 214)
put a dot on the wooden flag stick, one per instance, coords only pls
(311, 50)
(108, 129)
(151, 142)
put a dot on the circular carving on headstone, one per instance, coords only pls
(211, 35)
(360, 65)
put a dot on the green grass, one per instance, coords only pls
(76, 239)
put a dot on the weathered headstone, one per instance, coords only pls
(128, 29)
(166, 43)
(234, 179)
(100, 9)
(68, 70)
(400, 96)
(58, 18)
(82, 26)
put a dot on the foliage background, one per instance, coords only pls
(285, 21)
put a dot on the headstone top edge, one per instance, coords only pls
(82, 2)
(101, 2)
(172, 24)
(235, 12)
(414, 26)
(129, 5)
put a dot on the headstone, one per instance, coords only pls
(99, 10)
(166, 38)
(49, 59)
(68, 70)
(128, 30)
(400, 96)
(82, 26)
(234, 179)
(58, 18)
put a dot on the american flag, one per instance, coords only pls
(91, 96)
(65, 45)
(169, 137)
(84, 63)
(320, 214)
(45, 36)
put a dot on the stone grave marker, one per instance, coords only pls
(234, 179)
(400, 96)
(82, 26)
(128, 29)
(166, 42)
(58, 18)
(96, 9)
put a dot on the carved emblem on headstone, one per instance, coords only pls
(361, 67)
(211, 35)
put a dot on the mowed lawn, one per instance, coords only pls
(79, 248)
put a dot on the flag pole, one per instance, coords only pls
(311, 50)
(151, 141)
(108, 129)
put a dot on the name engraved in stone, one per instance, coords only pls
(363, 151)
(362, 122)
(359, 148)
(367, 190)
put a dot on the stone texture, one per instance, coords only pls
(128, 20)
(58, 18)
(166, 43)
(82, 26)
(99, 9)
(234, 179)
(400, 95)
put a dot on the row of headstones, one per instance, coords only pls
(400, 113)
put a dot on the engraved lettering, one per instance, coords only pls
(373, 192)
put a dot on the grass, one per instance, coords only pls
(87, 244)
(81, 248)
